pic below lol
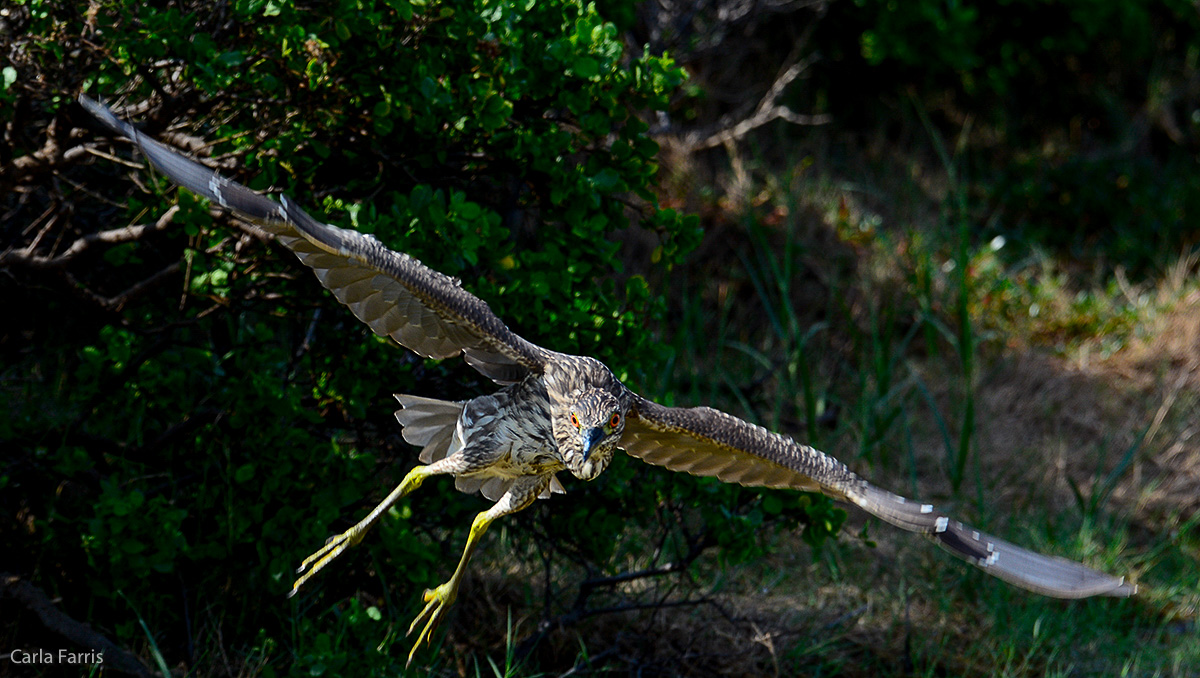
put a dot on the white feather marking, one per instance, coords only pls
(214, 185)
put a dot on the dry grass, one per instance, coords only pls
(1164, 367)
(903, 608)
(1053, 420)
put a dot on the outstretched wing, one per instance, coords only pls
(393, 293)
(706, 442)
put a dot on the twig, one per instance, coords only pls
(591, 661)
(27, 258)
(733, 127)
(117, 302)
(768, 109)
(657, 605)
(580, 610)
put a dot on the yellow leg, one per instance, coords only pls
(335, 546)
(439, 599)
(522, 493)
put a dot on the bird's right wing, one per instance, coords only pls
(706, 442)
(393, 293)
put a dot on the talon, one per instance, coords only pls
(437, 601)
(333, 548)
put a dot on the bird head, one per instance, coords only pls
(593, 426)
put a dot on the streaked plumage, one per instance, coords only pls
(560, 412)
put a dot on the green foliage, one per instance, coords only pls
(174, 456)
(213, 431)
(1000, 48)
(1081, 174)
(1104, 210)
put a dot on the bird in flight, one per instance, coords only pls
(557, 412)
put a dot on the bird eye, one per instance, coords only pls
(615, 421)
(574, 420)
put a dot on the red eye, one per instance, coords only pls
(574, 420)
(615, 421)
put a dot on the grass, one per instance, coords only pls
(901, 351)
(910, 352)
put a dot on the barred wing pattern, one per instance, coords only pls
(706, 442)
(393, 293)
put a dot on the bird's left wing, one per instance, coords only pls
(706, 442)
(393, 293)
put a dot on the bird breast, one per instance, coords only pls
(508, 434)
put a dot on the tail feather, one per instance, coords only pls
(430, 423)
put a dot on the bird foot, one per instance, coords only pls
(325, 555)
(437, 601)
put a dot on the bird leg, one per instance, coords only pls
(522, 493)
(336, 545)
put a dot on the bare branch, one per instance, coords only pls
(741, 129)
(78, 633)
(736, 125)
(50, 157)
(117, 303)
(768, 109)
(589, 585)
(27, 258)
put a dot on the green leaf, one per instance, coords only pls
(244, 473)
(469, 211)
(772, 504)
(403, 9)
(586, 67)
(232, 59)
(606, 180)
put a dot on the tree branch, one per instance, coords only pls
(767, 110)
(27, 258)
(78, 633)
(733, 127)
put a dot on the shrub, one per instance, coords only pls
(190, 426)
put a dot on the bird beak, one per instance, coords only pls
(593, 436)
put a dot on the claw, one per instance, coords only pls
(325, 555)
(436, 603)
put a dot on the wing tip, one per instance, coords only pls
(1047, 575)
(104, 115)
(1123, 589)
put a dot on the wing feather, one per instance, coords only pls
(707, 442)
(343, 278)
(393, 293)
